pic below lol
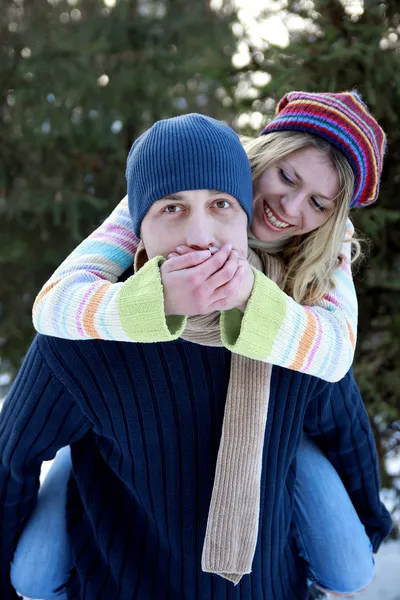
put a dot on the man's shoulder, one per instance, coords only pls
(301, 384)
(77, 364)
(72, 355)
(49, 345)
(62, 348)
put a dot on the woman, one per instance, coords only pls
(297, 207)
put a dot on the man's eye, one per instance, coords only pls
(173, 208)
(222, 204)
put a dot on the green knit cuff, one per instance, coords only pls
(141, 307)
(253, 333)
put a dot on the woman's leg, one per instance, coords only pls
(42, 560)
(328, 532)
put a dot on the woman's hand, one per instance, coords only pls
(200, 282)
(246, 287)
(238, 300)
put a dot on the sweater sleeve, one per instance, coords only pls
(38, 418)
(318, 340)
(338, 422)
(82, 299)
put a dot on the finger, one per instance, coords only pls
(172, 255)
(216, 262)
(186, 261)
(227, 291)
(225, 274)
(183, 249)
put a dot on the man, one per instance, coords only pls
(147, 423)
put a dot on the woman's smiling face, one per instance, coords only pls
(295, 195)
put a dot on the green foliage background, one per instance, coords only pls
(79, 81)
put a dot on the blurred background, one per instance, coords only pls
(81, 79)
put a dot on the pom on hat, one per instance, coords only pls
(190, 152)
(345, 121)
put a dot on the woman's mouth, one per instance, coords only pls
(272, 221)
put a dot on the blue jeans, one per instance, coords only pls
(43, 559)
(329, 535)
(328, 532)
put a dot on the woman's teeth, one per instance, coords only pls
(273, 220)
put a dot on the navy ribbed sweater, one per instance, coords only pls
(144, 422)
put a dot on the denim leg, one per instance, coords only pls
(328, 532)
(42, 560)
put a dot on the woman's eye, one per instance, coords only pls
(173, 208)
(222, 204)
(285, 177)
(318, 205)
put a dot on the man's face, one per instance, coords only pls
(200, 219)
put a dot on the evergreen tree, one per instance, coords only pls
(79, 81)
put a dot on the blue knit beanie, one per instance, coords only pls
(190, 152)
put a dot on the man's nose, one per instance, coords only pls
(199, 233)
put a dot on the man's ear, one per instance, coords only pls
(141, 257)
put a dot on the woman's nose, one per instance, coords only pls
(292, 203)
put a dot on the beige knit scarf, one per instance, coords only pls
(232, 525)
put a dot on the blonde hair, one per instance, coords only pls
(309, 259)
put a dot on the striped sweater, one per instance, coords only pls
(83, 300)
(144, 423)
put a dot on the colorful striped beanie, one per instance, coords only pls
(189, 152)
(345, 121)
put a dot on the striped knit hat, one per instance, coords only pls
(345, 121)
(190, 152)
